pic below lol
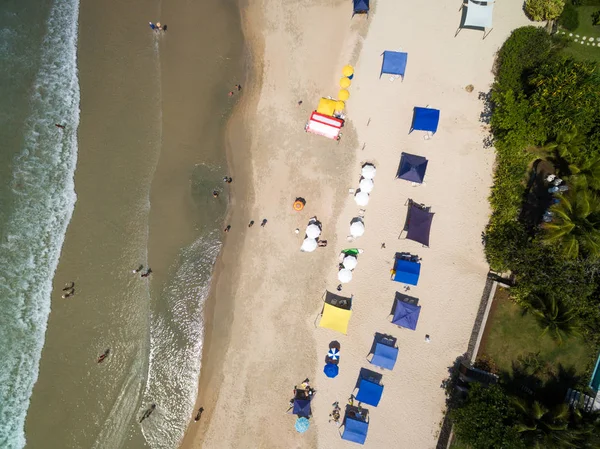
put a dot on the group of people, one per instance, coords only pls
(157, 26)
(237, 88)
(140, 268)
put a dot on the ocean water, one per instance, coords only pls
(39, 87)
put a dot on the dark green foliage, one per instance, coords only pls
(486, 420)
(596, 18)
(525, 49)
(569, 18)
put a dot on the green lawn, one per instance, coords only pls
(586, 29)
(510, 334)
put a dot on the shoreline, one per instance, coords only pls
(217, 315)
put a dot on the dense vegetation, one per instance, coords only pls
(544, 230)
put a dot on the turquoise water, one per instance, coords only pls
(39, 87)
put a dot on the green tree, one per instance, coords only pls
(541, 427)
(575, 227)
(553, 315)
(539, 10)
(486, 419)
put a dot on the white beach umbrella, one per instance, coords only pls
(361, 198)
(368, 171)
(313, 231)
(357, 229)
(350, 262)
(309, 245)
(345, 276)
(366, 185)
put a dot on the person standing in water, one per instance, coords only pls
(199, 415)
(140, 268)
(147, 273)
(103, 356)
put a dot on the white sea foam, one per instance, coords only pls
(44, 199)
(176, 346)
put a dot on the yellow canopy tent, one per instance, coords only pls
(335, 318)
(343, 95)
(348, 70)
(326, 106)
(345, 82)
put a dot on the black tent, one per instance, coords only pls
(361, 7)
(418, 223)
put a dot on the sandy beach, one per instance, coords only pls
(268, 341)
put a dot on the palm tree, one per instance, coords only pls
(541, 427)
(553, 316)
(575, 227)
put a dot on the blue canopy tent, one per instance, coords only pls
(412, 168)
(406, 271)
(361, 7)
(425, 119)
(302, 408)
(384, 355)
(369, 392)
(355, 430)
(406, 314)
(394, 63)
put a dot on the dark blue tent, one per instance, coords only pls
(412, 168)
(369, 392)
(361, 7)
(407, 271)
(406, 314)
(302, 408)
(355, 430)
(384, 356)
(425, 119)
(419, 224)
(394, 63)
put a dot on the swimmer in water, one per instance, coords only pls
(148, 412)
(103, 356)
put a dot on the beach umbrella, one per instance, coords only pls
(344, 275)
(309, 245)
(345, 82)
(302, 424)
(357, 229)
(361, 198)
(366, 185)
(343, 95)
(368, 171)
(339, 105)
(334, 353)
(350, 262)
(313, 231)
(331, 370)
(348, 70)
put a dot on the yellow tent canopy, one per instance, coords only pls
(348, 70)
(335, 318)
(326, 106)
(343, 95)
(339, 105)
(345, 82)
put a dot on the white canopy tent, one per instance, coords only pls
(478, 15)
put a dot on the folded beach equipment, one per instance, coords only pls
(361, 7)
(355, 430)
(478, 15)
(369, 390)
(394, 63)
(405, 314)
(336, 313)
(418, 223)
(412, 168)
(425, 119)
(384, 352)
(406, 271)
(324, 124)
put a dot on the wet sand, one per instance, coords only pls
(153, 111)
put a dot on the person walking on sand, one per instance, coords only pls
(251, 223)
(199, 415)
(264, 222)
